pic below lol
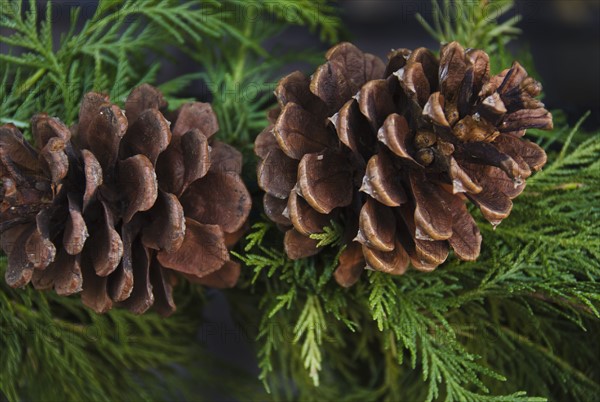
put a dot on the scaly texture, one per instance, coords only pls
(114, 205)
(394, 151)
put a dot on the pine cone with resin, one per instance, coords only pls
(117, 204)
(394, 151)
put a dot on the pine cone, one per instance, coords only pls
(114, 209)
(394, 151)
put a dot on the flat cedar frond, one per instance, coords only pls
(239, 71)
(331, 235)
(309, 332)
(472, 23)
(49, 338)
(541, 266)
(108, 52)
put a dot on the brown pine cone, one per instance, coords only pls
(394, 151)
(112, 207)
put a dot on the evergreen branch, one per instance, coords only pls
(471, 23)
(109, 53)
(309, 329)
(570, 136)
(542, 265)
(108, 49)
(331, 235)
(552, 357)
(239, 71)
(49, 337)
(431, 341)
(259, 231)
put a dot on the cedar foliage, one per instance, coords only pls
(53, 348)
(518, 324)
(494, 329)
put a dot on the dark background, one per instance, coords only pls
(563, 37)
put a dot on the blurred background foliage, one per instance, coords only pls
(521, 323)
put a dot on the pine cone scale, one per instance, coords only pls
(461, 181)
(93, 177)
(15, 155)
(149, 136)
(220, 198)
(170, 168)
(265, 142)
(351, 264)
(138, 180)
(226, 157)
(166, 229)
(452, 71)
(393, 262)
(108, 247)
(275, 209)
(394, 134)
(196, 157)
(375, 102)
(141, 99)
(277, 173)
(69, 279)
(121, 281)
(196, 115)
(305, 219)
(415, 82)
(20, 269)
(142, 296)
(379, 182)
(163, 289)
(95, 291)
(297, 246)
(325, 181)
(466, 238)
(354, 130)
(64, 273)
(46, 128)
(343, 75)
(225, 277)
(298, 132)
(295, 88)
(54, 160)
(529, 152)
(76, 233)
(88, 111)
(425, 255)
(432, 215)
(104, 135)
(494, 205)
(203, 250)
(377, 226)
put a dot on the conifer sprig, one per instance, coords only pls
(111, 51)
(458, 325)
(108, 53)
(473, 23)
